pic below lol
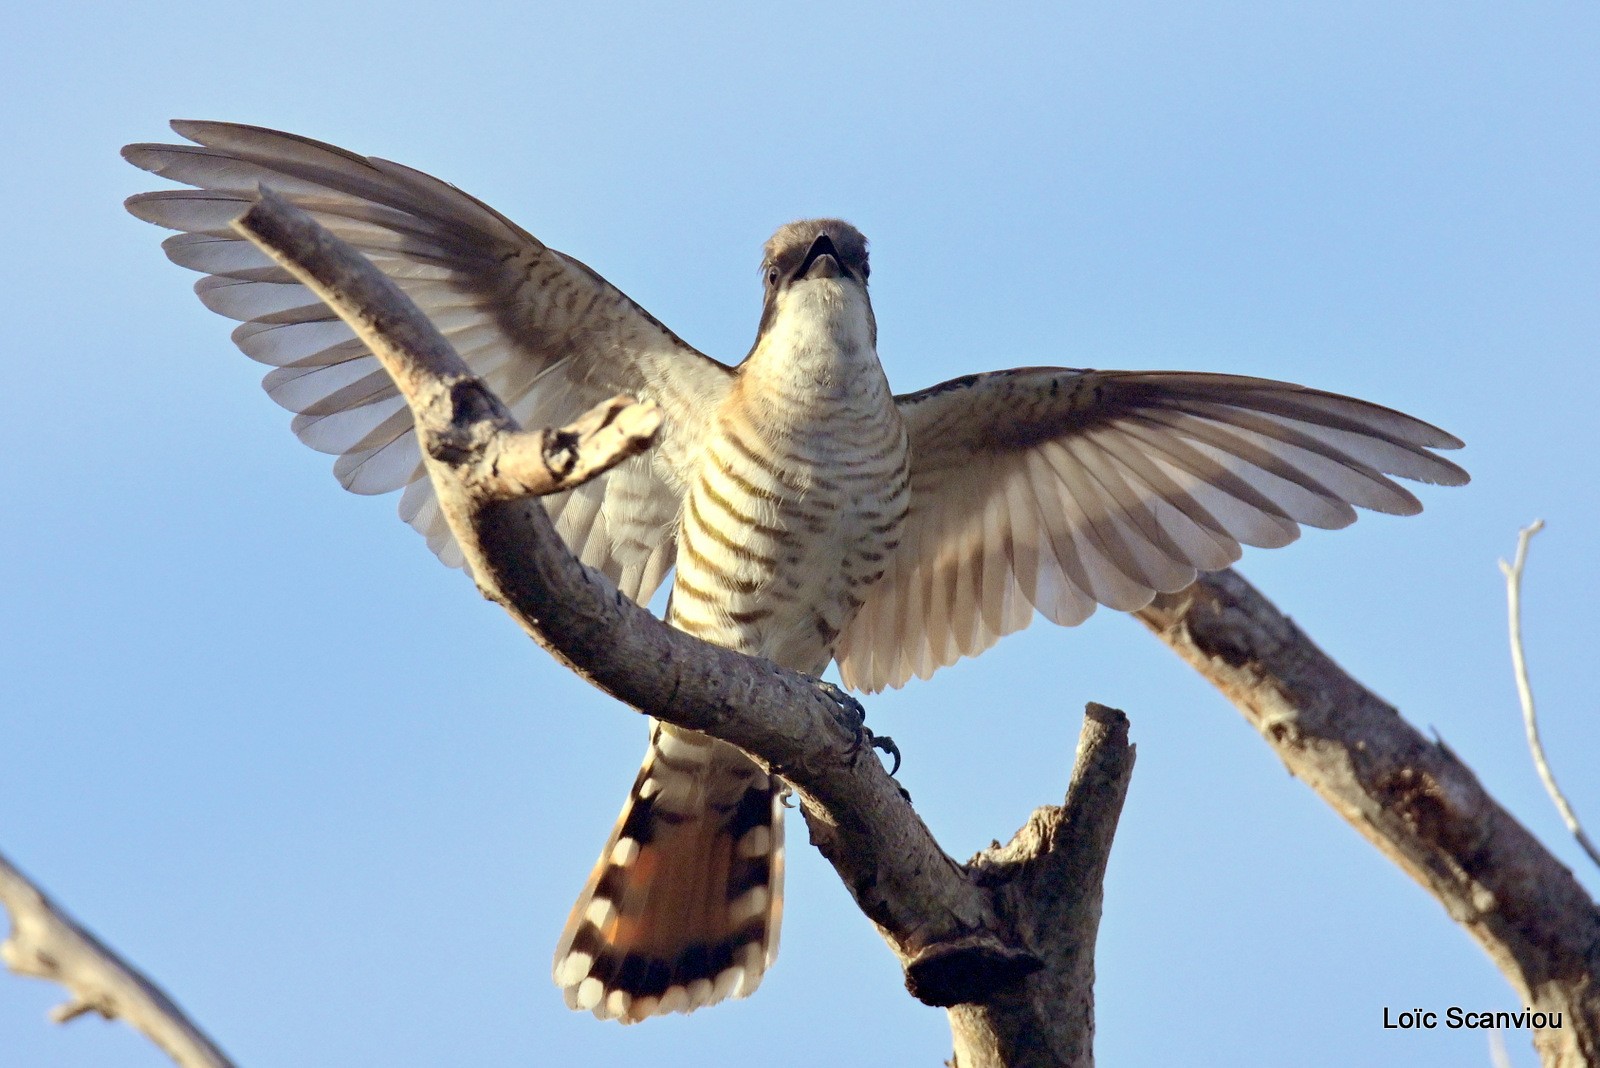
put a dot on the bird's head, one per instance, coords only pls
(816, 268)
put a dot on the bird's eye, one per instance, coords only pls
(772, 276)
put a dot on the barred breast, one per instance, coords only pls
(797, 505)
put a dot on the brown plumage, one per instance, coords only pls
(812, 515)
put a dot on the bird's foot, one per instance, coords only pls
(853, 717)
(851, 713)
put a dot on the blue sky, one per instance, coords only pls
(260, 741)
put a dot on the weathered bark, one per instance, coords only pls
(1411, 797)
(1047, 883)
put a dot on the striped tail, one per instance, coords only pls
(682, 910)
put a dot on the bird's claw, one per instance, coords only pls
(886, 744)
(851, 712)
(853, 716)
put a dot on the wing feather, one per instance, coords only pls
(549, 335)
(1061, 489)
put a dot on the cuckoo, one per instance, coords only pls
(812, 515)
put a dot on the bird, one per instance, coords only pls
(812, 516)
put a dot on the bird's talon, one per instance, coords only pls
(853, 715)
(851, 712)
(886, 744)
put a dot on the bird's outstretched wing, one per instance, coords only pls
(1061, 489)
(549, 335)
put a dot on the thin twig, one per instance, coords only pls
(46, 943)
(1519, 665)
(1499, 1056)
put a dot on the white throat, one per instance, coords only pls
(820, 338)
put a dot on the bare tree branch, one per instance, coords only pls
(1049, 881)
(962, 940)
(46, 943)
(1519, 665)
(1412, 798)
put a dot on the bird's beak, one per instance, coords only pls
(822, 261)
